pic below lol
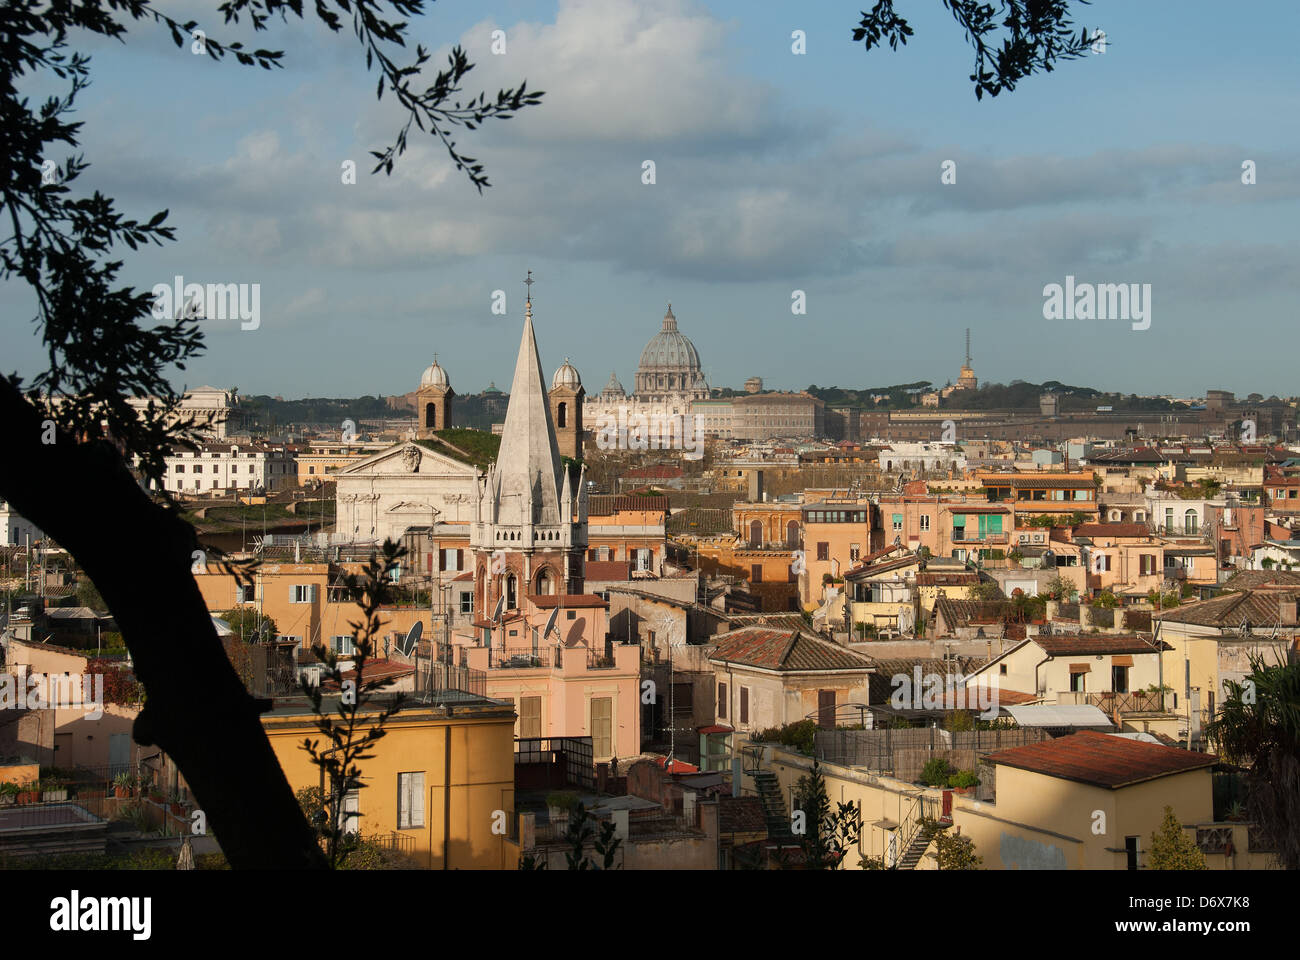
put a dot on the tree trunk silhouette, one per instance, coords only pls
(139, 555)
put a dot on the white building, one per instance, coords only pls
(208, 407)
(926, 456)
(250, 466)
(15, 530)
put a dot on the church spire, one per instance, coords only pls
(527, 478)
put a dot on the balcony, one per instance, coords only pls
(1108, 701)
(517, 658)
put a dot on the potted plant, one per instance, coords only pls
(123, 784)
(561, 805)
(28, 793)
(53, 790)
(936, 772)
(964, 782)
(8, 794)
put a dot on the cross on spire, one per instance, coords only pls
(528, 282)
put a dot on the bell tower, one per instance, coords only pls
(433, 401)
(566, 397)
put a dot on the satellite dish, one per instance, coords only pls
(500, 608)
(412, 638)
(550, 622)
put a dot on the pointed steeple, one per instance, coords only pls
(526, 483)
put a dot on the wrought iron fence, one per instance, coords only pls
(443, 679)
(521, 657)
(1136, 702)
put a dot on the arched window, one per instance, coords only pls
(545, 582)
(1114, 516)
(561, 415)
(756, 534)
(1189, 521)
(431, 416)
(512, 593)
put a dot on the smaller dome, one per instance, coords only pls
(566, 376)
(613, 388)
(434, 376)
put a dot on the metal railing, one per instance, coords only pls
(511, 658)
(440, 679)
(1137, 702)
(396, 842)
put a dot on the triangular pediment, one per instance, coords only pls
(407, 459)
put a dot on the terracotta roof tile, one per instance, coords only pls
(1068, 645)
(1102, 760)
(786, 650)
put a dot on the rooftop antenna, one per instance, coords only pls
(968, 346)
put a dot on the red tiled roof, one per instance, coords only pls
(378, 670)
(1068, 646)
(661, 472)
(946, 579)
(785, 650)
(741, 815)
(567, 600)
(1102, 760)
(608, 504)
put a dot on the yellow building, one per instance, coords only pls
(440, 786)
(1086, 801)
(1090, 801)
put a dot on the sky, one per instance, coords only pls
(775, 172)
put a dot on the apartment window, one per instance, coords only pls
(343, 645)
(309, 469)
(602, 742)
(410, 800)
(1002, 669)
(302, 593)
(1119, 679)
(1147, 564)
(1189, 521)
(854, 550)
(823, 550)
(198, 468)
(925, 521)
(244, 593)
(722, 701)
(755, 573)
(466, 602)
(591, 555)
(530, 716)
(744, 705)
(570, 614)
(1078, 677)
(898, 522)
(180, 468)
(1131, 851)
